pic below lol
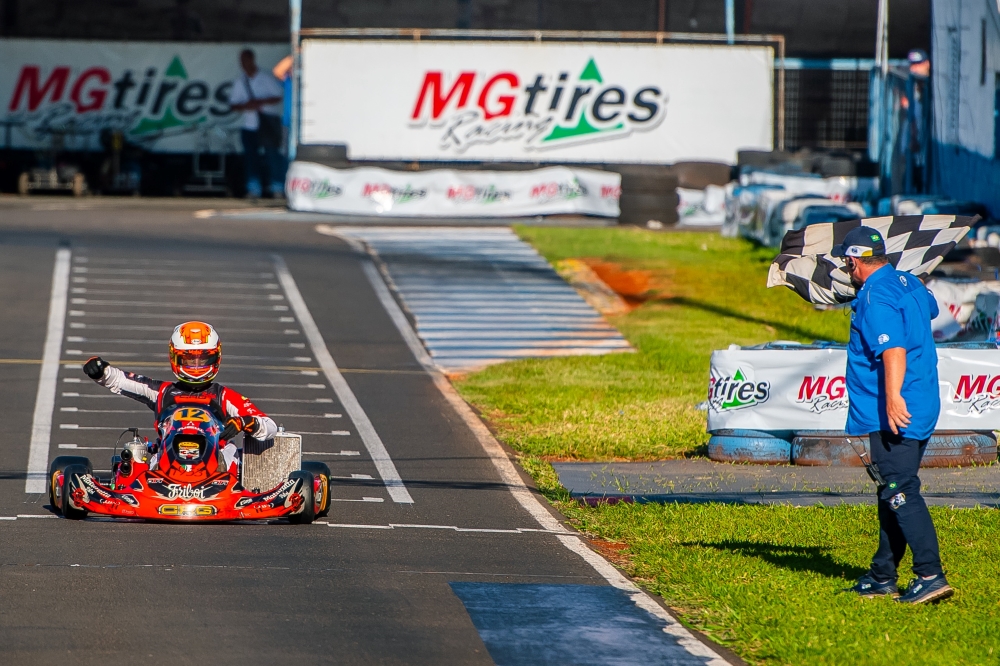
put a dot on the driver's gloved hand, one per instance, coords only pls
(95, 367)
(238, 424)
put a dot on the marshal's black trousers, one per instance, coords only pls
(902, 513)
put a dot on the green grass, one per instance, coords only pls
(709, 294)
(765, 581)
(762, 580)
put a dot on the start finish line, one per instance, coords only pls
(790, 389)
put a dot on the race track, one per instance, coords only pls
(427, 556)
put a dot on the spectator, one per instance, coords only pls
(258, 95)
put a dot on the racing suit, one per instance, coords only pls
(163, 397)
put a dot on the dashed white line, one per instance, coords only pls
(45, 397)
(324, 453)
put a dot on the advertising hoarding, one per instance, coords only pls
(448, 193)
(806, 390)
(536, 102)
(164, 96)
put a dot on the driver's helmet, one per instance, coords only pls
(195, 352)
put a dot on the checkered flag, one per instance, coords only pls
(913, 243)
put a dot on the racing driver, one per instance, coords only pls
(195, 357)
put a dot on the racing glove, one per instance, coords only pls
(95, 367)
(238, 424)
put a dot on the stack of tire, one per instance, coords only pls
(946, 448)
(649, 193)
(751, 446)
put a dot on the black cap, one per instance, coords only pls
(861, 242)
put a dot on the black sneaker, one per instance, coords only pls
(924, 590)
(868, 588)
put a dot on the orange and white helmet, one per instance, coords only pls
(195, 352)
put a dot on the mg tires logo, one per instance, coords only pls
(738, 391)
(542, 111)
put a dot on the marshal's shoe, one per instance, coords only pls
(925, 590)
(868, 588)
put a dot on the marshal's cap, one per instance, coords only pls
(861, 242)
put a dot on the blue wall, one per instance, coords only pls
(966, 176)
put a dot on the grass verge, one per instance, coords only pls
(705, 293)
(763, 580)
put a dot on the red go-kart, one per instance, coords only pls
(184, 478)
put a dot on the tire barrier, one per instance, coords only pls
(960, 448)
(947, 448)
(749, 446)
(827, 447)
(648, 193)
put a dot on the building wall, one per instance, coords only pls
(813, 28)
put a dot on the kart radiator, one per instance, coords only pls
(266, 463)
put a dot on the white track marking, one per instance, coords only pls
(88, 448)
(376, 449)
(298, 386)
(185, 306)
(171, 317)
(363, 499)
(511, 478)
(169, 273)
(305, 416)
(303, 400)
(338, 433)
(323, 453)
(453, 528)
(45, 398)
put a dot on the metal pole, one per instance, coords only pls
(295, 10)
(781, 91)
(730, 21)
(882, 43)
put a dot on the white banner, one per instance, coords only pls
(538, 102)
(164, 96)
(806, 390)
(447, 193)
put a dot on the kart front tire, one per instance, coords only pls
(68, 511)
(322, 471)
(308, 513)
(57, 467)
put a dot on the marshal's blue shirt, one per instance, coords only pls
(892, 309)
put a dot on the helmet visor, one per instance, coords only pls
(196, 359)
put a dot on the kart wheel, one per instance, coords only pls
(308, 513)
(68, 510)
(56, 467)
(322, 472)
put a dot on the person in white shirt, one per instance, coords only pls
(258, 95)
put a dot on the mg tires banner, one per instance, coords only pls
(447, 193)
(806, 390)
(166, 97)
(538, 102)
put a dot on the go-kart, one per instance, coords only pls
(184, 477)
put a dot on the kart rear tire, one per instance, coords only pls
(322, 471)
(68, 511)
(56, 467)
(308, 513)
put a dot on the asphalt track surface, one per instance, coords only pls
(386, 581)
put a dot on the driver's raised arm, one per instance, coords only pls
(129, 384)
